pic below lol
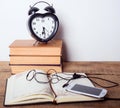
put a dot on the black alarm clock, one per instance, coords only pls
(43, 26)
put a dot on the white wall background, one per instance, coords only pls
(90, 29)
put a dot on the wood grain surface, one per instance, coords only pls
(107, 70)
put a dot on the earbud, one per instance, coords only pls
(50, 9)
(75, 76)
(33, 10)
(66, 84)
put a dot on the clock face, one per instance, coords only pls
(43, 26)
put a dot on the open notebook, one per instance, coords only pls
(21, 91)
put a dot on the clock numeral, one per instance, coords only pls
(34, 23)
(52, 22)
(36, 32)
(42, 20)
(52, 27)
(37, 19)
(34, 28)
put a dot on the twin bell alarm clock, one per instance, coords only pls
(42, 26)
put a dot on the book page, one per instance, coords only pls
(19, 88)
(66, 96)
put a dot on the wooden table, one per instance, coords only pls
(107, 70)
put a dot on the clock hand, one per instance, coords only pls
(46, 30)
(43, 32)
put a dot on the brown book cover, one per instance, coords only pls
(54, 60)
(28, 47)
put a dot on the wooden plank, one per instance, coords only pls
(93, 67)
(4, 66)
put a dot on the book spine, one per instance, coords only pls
(36, 51)
(54, 60)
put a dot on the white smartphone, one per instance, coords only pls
(87, 90)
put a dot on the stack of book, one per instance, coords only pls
(26, 55)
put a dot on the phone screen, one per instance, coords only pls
(86, 89)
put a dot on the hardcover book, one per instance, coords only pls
(44, 60)
(27, 47)
(23, 88)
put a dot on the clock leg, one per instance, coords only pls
(36, 42)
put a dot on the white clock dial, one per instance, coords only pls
(43, 27)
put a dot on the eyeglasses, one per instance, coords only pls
(37, 75)
(40, 76)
